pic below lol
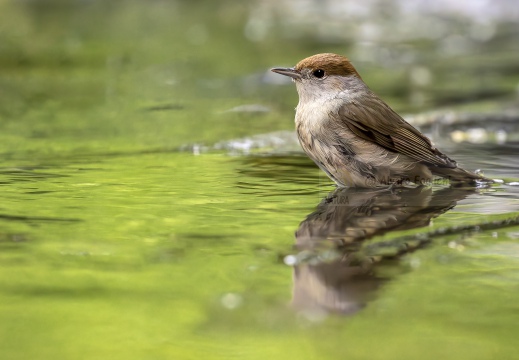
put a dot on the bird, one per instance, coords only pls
(355, 137)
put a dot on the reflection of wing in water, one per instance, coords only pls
(344, 218)
(349, 214)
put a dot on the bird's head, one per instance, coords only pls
(322, 75)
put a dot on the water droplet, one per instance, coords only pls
(231, 301)
(290, 260)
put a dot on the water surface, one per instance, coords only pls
(132, 225)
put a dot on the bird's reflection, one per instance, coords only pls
(345, 218)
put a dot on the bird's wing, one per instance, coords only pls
(373, 120)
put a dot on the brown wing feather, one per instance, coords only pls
(375, 121)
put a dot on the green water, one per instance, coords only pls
(116, 244)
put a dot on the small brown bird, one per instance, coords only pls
(355, 137)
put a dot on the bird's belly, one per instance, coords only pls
(360, 163)
(341, 168)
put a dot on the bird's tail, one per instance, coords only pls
(459, 175)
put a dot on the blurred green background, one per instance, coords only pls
(87, 70)
(128, 231)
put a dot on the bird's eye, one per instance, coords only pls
(319, 73)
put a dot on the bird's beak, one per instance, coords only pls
(293, 73)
